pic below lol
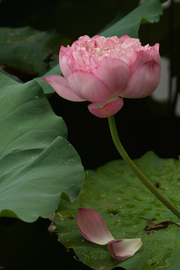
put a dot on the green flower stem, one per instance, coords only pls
(134, 168)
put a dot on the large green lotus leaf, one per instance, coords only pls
(37, 163)
(149, 11)
(125, 203)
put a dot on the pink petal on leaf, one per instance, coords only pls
(61, 86)
(124, 248)
(92, 226)
(107, 108)
(88, 86)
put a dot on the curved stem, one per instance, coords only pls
(135, 169)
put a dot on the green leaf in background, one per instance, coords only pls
(149, 11)
(124, 203)
(37, 163)
(29, 52)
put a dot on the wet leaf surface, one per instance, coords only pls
(126, 206)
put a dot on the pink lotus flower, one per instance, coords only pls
(106, 70)
(93, 228)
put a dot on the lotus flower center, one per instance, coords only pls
(87, 53)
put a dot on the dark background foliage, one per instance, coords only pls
(72, 18)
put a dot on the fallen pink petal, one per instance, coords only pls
(124, 248)
(92, 226)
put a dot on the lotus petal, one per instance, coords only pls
(107, 108)
(61, 86)
(87, 86)
(124, 248)
(92, 226)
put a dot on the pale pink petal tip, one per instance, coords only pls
(61, 86)
(124, 248)
(92, 226)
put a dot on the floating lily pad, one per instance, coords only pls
(37, 163)
(126, 206)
